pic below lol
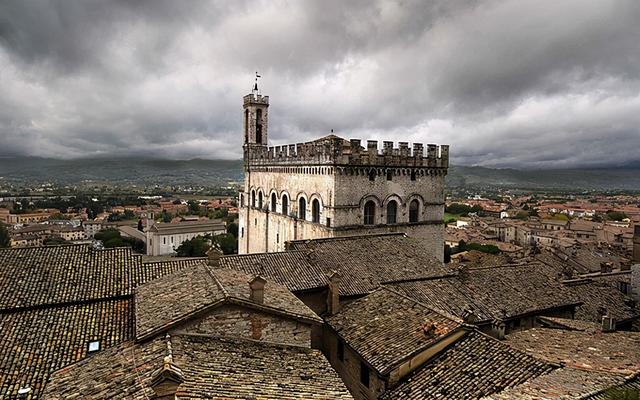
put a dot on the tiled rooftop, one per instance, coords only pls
(615, 352)
(386, 328)
(168, 300)
(212, 368)
(494, 292)
(36, 276)
(474, 366)
(365, 262)
(35, 343)
(292, 269)
(601, 296)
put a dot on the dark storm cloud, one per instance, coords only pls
(506, 83)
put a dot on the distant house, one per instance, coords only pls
(165, 238)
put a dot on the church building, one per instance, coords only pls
(336, 187)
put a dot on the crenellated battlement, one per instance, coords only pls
(255, 99)
(333, 150)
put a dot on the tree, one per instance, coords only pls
(195, 247)
(227, 242)
(53, 241)
(616, 215)
(232, 229)
(5, 241)
(166, 216)
(194, 206)
(140, 228)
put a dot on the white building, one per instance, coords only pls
(165, 238)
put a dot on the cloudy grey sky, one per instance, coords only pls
(518, 83)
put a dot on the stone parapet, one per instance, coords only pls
(335, 151)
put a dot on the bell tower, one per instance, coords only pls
(255, 117)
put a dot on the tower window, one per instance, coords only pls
(369, 213)
(242, 200)
(285, 204)
(372, 175)
(260, 200)
(253, 198)
(302, 208)
(389, 174)
(273, 202)
(392, 211)
(413, 175)
(259, 126)
(315, 211)
(414, 208)
(246, 126)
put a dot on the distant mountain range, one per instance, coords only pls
(197, 172)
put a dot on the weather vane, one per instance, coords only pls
(255, 87)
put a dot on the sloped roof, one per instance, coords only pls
(492, 293)
(35, 276)
(474, 366)
(292, 269)
(212, 368)
(601, 297)
(172, 299)
(594, 350)
(385, 328)
(37, 342)
(365, 262)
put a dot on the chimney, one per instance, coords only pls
(333, 294)
(608, 324)
(166, 380)
(498, 329)
(213, 254)
(606, 267)
(257, 289)
(469, 316)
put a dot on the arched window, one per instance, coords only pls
(273, 202)
(414, 210)
(392, 211)
(372, 174)
(315, 211)
(253, 198)
(285, 204)
(260, 200)
(302, 208)
(369, 212)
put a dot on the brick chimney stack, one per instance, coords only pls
(257, 289)
(333, 295)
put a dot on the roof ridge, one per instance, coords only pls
(337, 238)
(217, 281)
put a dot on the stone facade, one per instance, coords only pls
(241, 322)
(333, 187)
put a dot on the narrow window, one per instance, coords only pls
(241, 232)
(389, 174)
(253, 198)
(414, 208)
(246, 126)
(328, 222)
(392, 211)
(164, 240)
(315, 211)
(259, 126)
(302, 208)
(277, 238)
(285, 204)
(273, 202)
(260, 200)
(372, 175)
(413, 175)
(340, 349)
(241, 200)
(369, 212)
(364, 374)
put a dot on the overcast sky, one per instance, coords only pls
(517, 83)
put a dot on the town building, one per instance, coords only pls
(165, 238)
(335, 187)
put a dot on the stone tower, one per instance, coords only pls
(335, 187)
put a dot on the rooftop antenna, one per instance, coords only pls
(256, 91)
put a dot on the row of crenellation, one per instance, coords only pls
(337, 151)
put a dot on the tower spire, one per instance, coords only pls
(255, 86)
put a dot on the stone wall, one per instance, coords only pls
(236, 321)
